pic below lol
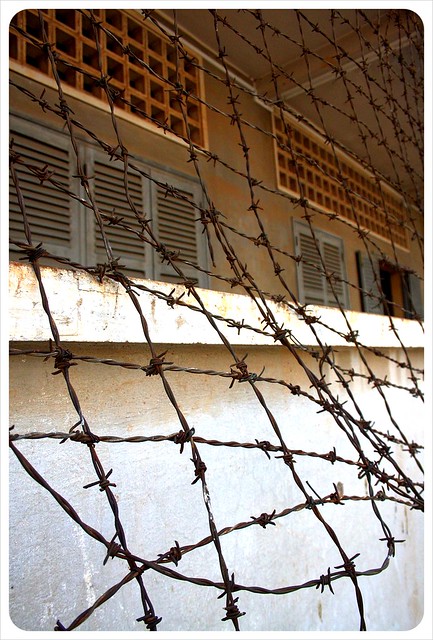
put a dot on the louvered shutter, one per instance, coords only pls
(177, 228)
(51, 212)
(313, 286)
(332, 251)
(414, 300)
(369, 276)
(110, 196)
(310, 279)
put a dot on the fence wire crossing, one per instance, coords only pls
(385, 474)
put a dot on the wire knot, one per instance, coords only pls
(103, 482)
(84, 438)
(265, 446)
(287, 458)
(151, 621)
(264, 519)
(232, 611)
(182, 437)
(174, 554)
(332, 456)
(348, 565)
(62, 360)
(155, 365)
(112, 550)
(325, 581)
(33, 254)
(200, 470)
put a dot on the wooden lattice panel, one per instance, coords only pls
(311, 169)
(144, 79)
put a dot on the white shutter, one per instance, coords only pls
(69, 229)
(110, 196)
(51, 212)
(334, 263)
(177, 228)
(313, 286)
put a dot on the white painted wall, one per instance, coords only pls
(56, 571)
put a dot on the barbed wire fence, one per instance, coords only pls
(386, 476)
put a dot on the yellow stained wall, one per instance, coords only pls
(227, 190)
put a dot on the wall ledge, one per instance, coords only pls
(86, 310)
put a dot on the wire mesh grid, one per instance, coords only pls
(177, 107)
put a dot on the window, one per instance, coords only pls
(57, 224)
(322, 284)
(313, 168)
(388, 290)
(142, 64)
(67, 227)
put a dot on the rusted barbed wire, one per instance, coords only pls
(385, 475)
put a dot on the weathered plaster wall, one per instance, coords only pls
(56, 571)
(87, 311)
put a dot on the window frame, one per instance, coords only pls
(322, 237)
(92, 155)
(54, 138)
(405, 295)
(162, 270)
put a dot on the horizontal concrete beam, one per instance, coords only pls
(86, 310)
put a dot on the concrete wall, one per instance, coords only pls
(57, 571)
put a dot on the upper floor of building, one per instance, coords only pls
(294, 136)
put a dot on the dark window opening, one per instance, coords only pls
(389, 284)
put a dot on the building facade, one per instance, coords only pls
(296, 164)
